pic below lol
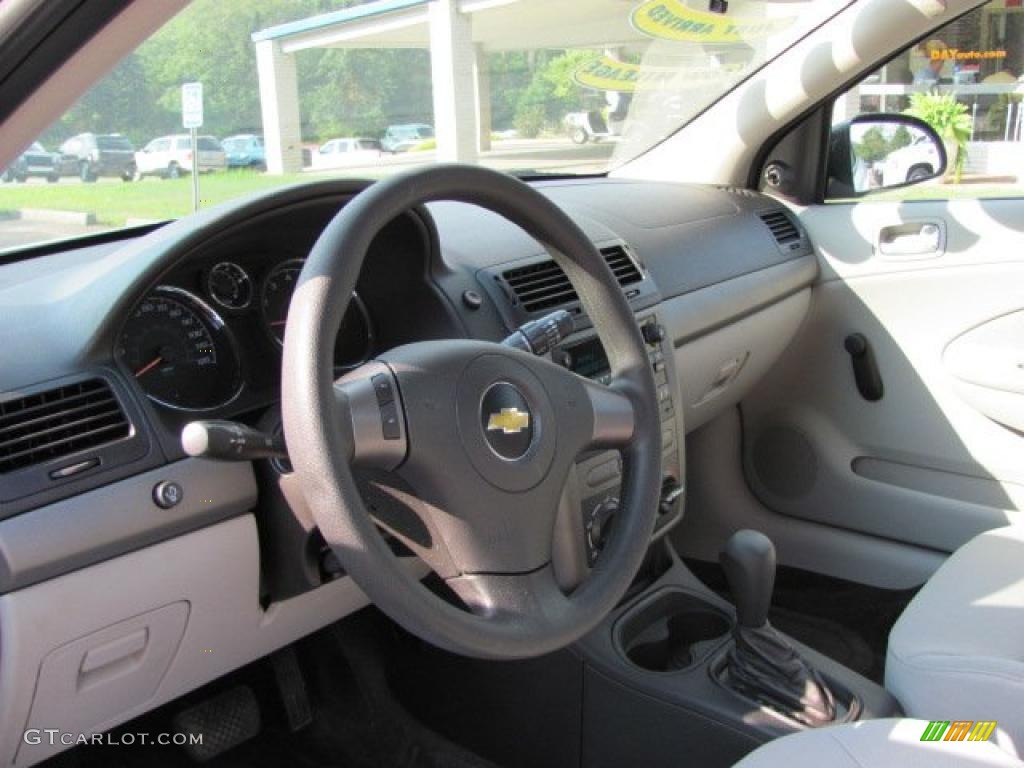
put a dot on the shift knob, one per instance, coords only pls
(749, 564)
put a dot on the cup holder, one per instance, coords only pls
(671, 631)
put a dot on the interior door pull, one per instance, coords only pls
(913, 240)
(865, 367)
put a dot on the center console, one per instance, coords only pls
(598, 475)
(677, 669)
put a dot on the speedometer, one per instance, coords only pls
(179, 351)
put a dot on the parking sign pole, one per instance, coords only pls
(192, 118)
(195, 169)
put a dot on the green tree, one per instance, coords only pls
(900, 138)
(118, 103)
(552, 93)
(873, 146)
(950, 120)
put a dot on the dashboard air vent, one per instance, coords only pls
(622, 266)
(58, 422)
(782, 227)
(544, 285)
(738, 191)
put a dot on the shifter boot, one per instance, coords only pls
(763, 666)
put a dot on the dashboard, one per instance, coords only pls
(122, 343)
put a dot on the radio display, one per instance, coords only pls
(588, 359)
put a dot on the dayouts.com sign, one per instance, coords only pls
(671, 20)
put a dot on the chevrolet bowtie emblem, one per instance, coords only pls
(511, 421)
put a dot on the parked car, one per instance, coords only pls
(170, 156)
(347, 151)
(245, 150)
(91, 155)
(915, 162)
(34, 161)
(402, 138)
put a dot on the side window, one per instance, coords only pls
(966, 80)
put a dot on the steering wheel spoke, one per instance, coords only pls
(371, 404)
(497, 596)
(614, 416)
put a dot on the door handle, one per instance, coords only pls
(912, 240)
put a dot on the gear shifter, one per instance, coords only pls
(749, 564)
(762, 664)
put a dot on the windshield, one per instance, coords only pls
(531, 87)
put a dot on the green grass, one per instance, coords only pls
(952, 192)
(113, 202)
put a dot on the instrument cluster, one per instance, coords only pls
(198, 340)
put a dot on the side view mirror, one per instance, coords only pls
(873, 152)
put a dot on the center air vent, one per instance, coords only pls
(544, 285)
(58, 422)
(781, 226)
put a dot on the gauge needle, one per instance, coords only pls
(277, 323)
(149, 366)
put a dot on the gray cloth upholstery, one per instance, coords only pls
(876, 744)
(957, 652)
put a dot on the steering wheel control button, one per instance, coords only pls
(167, 494)
(507, 422)
(382, 388)
(389, 421)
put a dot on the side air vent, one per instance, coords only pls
(58, 422)
(544, 285)
(622, 266)
(781, 226)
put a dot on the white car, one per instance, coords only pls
(917, 161)
(347, 151)
(171, 156)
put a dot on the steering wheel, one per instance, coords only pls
(483, 435)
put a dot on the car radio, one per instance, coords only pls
(600, 474)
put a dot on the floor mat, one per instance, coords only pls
(827, 637)
(357, 723)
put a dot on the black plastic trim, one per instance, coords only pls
(53, 32)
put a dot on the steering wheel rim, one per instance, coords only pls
(520, 613)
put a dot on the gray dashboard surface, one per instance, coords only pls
(688, 236)
(63, 310)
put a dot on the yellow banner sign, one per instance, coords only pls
(672, 20)
(608, 74)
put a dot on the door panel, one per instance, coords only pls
(937, 458)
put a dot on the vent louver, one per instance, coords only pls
(738, 191)
(781, 226)
(59, 422)
(544, 285)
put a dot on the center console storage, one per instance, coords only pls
(671, 630)
(656, 688)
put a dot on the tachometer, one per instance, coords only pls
(179, 351)
(355, 337)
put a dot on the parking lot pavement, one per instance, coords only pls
(15, 232)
